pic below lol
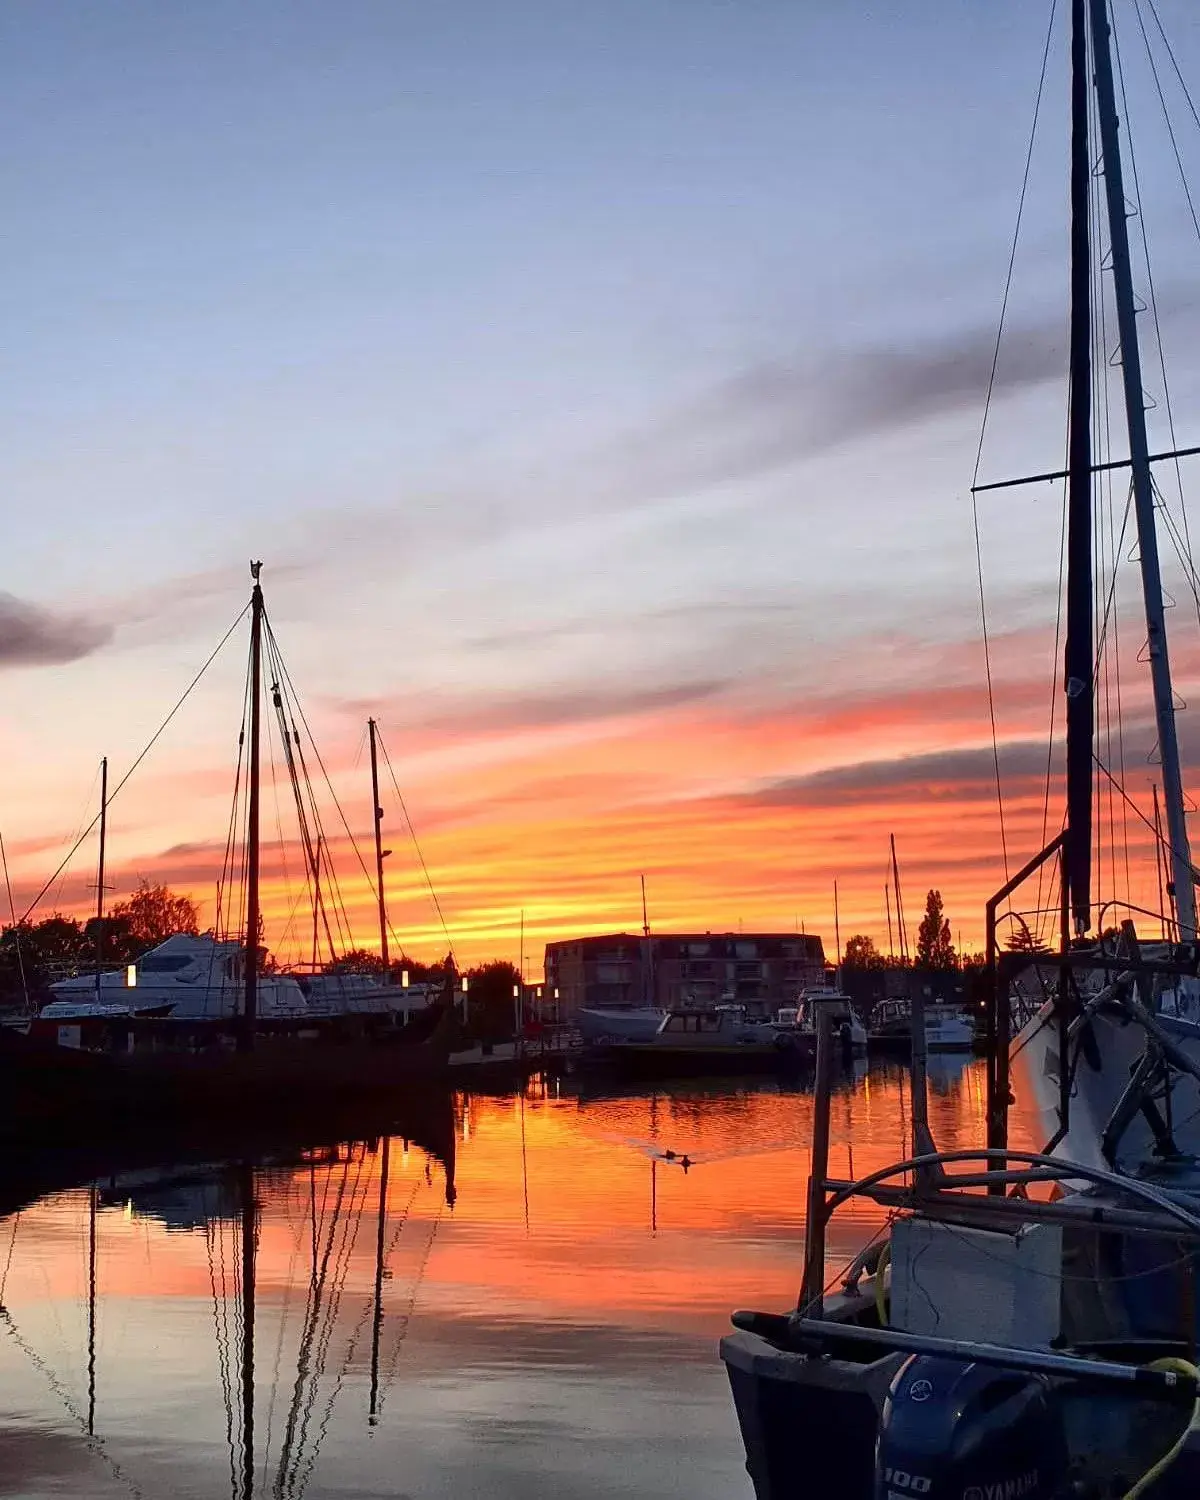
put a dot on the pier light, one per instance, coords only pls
(516, 991)
(539, 992)
(403, 979)
(131, 977)
(465, 983)
(556, 992)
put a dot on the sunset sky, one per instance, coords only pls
(600, 385)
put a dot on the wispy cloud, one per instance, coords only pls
(514, 713)
(784, 412)
(33, 636)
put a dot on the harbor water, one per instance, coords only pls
(535, 1316)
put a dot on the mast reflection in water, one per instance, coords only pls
(536, 1314)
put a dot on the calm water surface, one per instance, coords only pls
(547, 1315)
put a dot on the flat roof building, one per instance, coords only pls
(678, 970)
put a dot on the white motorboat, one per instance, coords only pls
(197, 976)
(603, 1026)
(947, 1028)
(850, 1030)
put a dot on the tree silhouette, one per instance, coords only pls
(934, 948)
(154, 913)
(861, 953)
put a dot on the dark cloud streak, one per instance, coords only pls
(32, 636)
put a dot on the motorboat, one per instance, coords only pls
(363, 994)
(850, 1031)
(604, 1025)
(196, 977)
(947, 1027)
(707, 1040)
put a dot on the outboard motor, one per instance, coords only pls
(955, 1431)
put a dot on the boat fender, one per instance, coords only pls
(1156, 1471)
(785, 1044)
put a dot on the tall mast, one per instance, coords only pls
(253, 923)
(93, 1193)
(1143, 485)
(316, 946)
(383, 937)
(377, 1320)
(837, 930)
(1078, 660)
(249, 1269)
(903, 936)
(100, 871)
(887, 902)
(649, 988)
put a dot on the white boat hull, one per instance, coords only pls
(1101, 1076)
(598, 1026)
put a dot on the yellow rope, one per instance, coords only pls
(881, 1264)
(1180, 1367)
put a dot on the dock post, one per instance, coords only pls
(812, 1290)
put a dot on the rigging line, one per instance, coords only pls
(312, 1317)
(308, 813)
(289, 1287)
(412, 833)
(221, 1339)
(351, 1224)
(341, 916)
(1054, 675)
(16, 931)
(74, 839)
(325, 774)
(406, 1317)
(1160, 838)
(94, 1444)
(1174, 64)
(991, 385)
(283, 860)
(303, 812)
(1162, 358)
(141, 757)
(8, 1262)
(226, 875)
(1137, 10)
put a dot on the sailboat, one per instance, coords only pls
(606, 1025)
(246, 1068)
(1000, 1342)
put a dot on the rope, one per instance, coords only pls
(1156, 1471)
(153, 740)
(16, 930)
(1188, 565)
(991, 385)
(412, 833)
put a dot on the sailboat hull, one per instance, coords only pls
(1106, 1059)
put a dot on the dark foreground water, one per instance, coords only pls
(550, 1330)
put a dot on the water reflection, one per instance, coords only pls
(532, 1310)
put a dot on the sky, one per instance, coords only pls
(601, 387)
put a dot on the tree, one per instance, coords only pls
(490, 1010)
(1023, 941)
(934, 948)
(356, 961)
(861, 953)
(153, 913)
